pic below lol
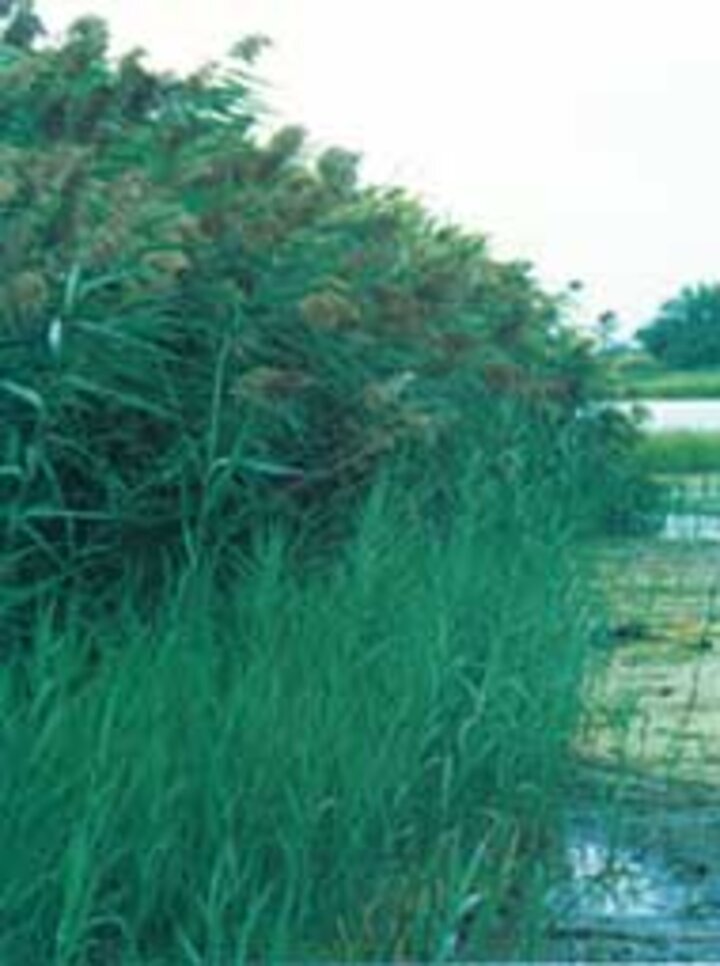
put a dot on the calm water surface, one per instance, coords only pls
(697, 415)
(664, 415)
(691, 526)
(641, 885)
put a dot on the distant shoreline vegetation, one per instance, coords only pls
(638, 375)
(680, 354)
(695, 384)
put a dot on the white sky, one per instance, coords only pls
(581, 135)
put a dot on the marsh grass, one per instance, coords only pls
(322, 763)
(663, 384)
(681, 451)
(640, 376)
(265, 693)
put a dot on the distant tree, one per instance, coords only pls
(686, 332)
(22, 25)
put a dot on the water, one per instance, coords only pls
(612, 881)
(665, 415)
(648, 891)
(695, 415)
(691, 526)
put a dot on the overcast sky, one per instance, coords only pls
(581, 135)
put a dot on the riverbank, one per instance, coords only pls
(639, 376)
(680, 436)
(668, 384)
(681, 452)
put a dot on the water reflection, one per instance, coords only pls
(664, 415)
(691, 526)
(604, 880)
(638, 885)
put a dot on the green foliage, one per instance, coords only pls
(686, 333)
(224, 741)
(310, 767)
(681, 451)
(668, 384)
(248, 334)
(23, 26)
(612, 478)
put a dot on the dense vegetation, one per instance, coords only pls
(686, 332)
(681, 451)
(314, 767)
(640, 378)
(247, 332)
(290, 478)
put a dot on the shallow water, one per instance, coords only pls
(664, 415)
(691, 526)
(639, 884)
(612, 881)
(638, 864)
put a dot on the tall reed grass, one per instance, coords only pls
(261, 697)
(320, 762)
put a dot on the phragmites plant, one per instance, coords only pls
(248, 333)
(293, 625)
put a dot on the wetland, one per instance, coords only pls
(639, 863)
